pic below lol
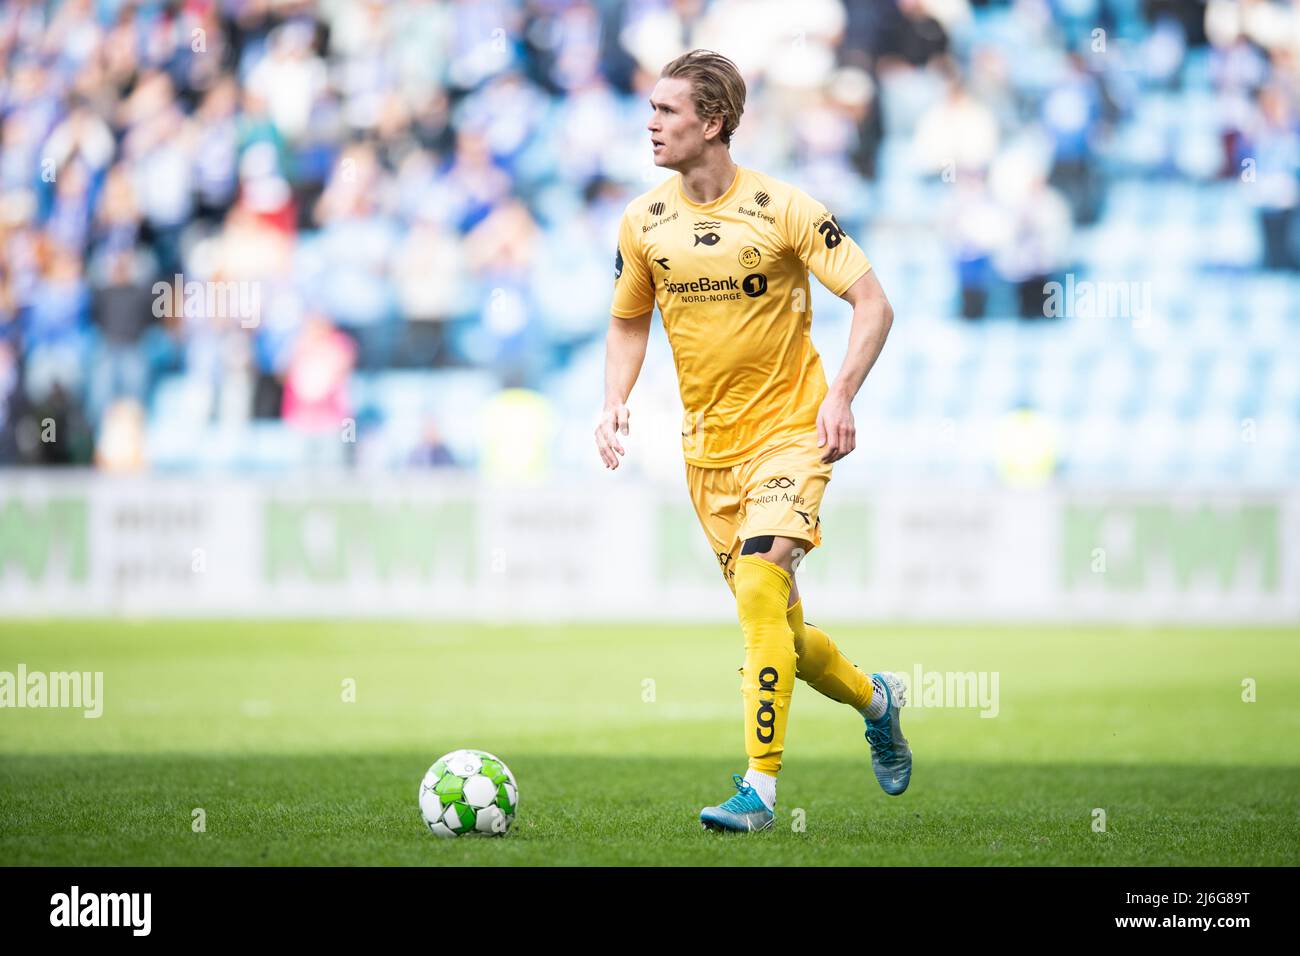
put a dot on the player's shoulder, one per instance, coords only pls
(781, 204)
(771, 193)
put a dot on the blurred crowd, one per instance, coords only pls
(269, 198)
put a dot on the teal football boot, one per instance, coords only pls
(745, 812)
(891, 757)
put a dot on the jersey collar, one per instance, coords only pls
(720, 201)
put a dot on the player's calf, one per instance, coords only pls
(762, 591)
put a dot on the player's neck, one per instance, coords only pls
(710, 178)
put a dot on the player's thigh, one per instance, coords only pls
(718, 500)
(784, 489)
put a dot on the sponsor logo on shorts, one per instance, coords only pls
(776, 499)
(724, 559)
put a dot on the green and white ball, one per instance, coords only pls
(469, 792)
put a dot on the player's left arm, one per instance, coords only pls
(872, 318)
(842, 267)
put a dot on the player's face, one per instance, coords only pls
(676, 131)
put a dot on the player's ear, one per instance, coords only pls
(713, 126)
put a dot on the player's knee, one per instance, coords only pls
(754, 585)
(800, 668)
(746, 585)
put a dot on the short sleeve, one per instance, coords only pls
(827, 250)
(634, 293)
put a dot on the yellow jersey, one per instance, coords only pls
(730, 278)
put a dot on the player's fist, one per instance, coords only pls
(613, 421)
(836, 433)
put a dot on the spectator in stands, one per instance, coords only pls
(1273, 144)
(122, 310)
(14, 419)
(958, 133)
(54, 335)
(315, 388)
(432, 451)
(442, 178)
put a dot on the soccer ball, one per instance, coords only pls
(469, 792)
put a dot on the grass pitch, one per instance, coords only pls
(619, 733)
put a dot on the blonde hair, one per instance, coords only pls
(716, 87)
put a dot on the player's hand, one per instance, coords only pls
(613, 420)
(835, 429)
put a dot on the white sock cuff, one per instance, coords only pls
(876, 706)
(764, 785)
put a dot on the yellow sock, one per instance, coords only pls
(821, 664)
(762, 592)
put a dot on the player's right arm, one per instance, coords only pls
(624, 353)
(625, 344)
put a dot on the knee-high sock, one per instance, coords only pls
(762, 592)
(823, 666)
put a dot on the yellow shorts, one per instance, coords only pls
(778, 492)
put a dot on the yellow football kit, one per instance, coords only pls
(730, 278)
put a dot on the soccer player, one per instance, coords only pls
(725, 252)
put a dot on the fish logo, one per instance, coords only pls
(709, 237)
